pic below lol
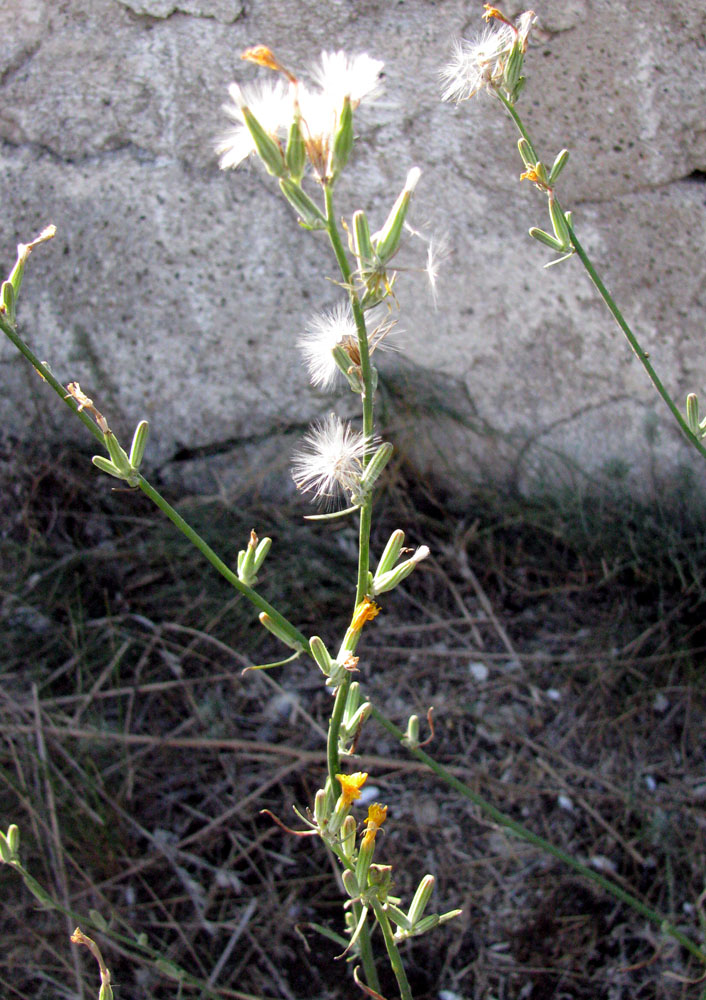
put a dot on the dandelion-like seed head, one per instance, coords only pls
(325, 332)
(356, 77)
(336, 329)
(331, 459)
(474, 65)
(270, 102)
(479, 63)
(337, 77)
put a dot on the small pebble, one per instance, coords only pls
(479, 671)
(602, 864)
(660, 704)
(565, 803)
(368, 794)
(553, 694)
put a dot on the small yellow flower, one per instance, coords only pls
(377, 814)
(351, 785)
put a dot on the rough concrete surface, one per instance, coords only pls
(176, 292)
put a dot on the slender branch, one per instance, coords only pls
(392, 950)
(608, 299)
(41, 368)
(296, 636)
(332, 742)
(643, 357)
(545, 845)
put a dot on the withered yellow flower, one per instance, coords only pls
(365, 612)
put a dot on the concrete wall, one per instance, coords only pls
(176, 292)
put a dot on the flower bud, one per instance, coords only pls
(118, 456)
(513, 68)
(426, 924)
(321, 810)
(348, 832)
(342, 140)
(388, 238)
(380, 876)
(295, 155)
(411, 737)
(546, 239)
(139, 443)
(362, 243)
(383, 582)
(526, 152)
(251, 559)
(391, 552)
(105, 465)
(692, 414)
(268, 149)
(421, 899)
(375, 466)
(396, 914)
(13, 838)
(561, 230)
(277, 630)
(558, 165)
(8, 301)
(5, 852)
(350, 883)
(322, 656)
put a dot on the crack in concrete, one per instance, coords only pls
(165, 10)
(17, 64)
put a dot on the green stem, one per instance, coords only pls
(128, 946)
(510, 108)
(609, 301)
(633, 341)
(42, 370)
(332, 743)
(392, 950)
(366, 951)
(532, 838)
(297, 638)
(367, 394)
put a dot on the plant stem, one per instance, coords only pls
(608, 299)
(332, 742)
(532, 838)
(367, 394)
(366, 951)
(643, 357)
(44, 372)
(297, 638)
(392, 950)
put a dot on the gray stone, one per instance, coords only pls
(176, 292)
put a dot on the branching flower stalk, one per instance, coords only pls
(493, 61)
(292, 127)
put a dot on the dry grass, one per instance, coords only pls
(561, 646)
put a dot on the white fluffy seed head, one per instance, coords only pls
(325, 332)
(330, 460)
